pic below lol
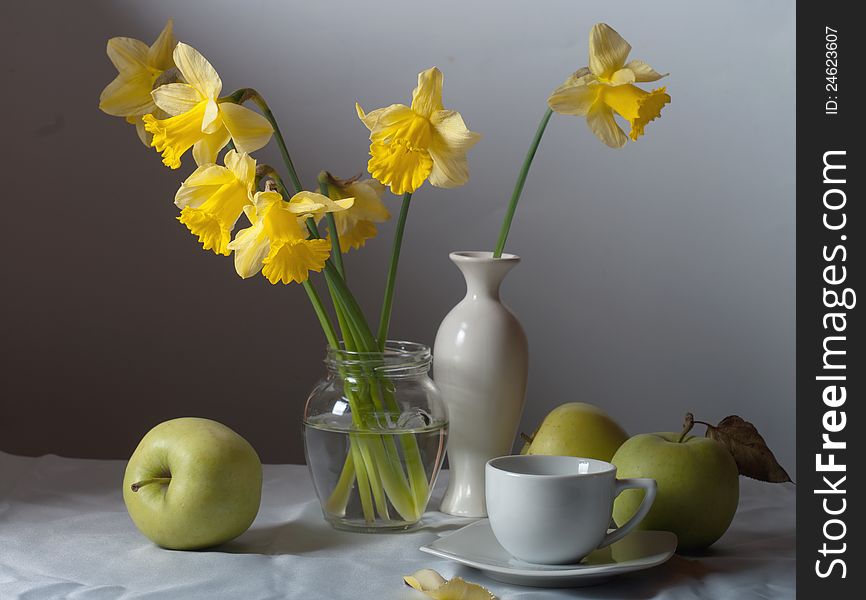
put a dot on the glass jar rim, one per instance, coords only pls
(400, 358)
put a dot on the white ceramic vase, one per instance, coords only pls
(480, 363)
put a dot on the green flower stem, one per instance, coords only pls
(341, 293)
(339, 498)
(336, 251)
(251, 94)
(365, 340)
(387, 303)
(325, 322)
(363, 481)
(518, 186)
(372, 466)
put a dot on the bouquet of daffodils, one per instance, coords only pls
(174, 97)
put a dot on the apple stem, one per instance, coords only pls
(140, 484)
(688, 423)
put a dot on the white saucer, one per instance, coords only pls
(475, 546)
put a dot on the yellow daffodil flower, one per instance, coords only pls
(358, 224)
(199, 120)
(138, 68)
(607, 87)
(212, 199)
(409, 145)
(277, 243)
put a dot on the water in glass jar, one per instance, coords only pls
(405, 446)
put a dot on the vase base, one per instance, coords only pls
(376, 527)
(458, 507)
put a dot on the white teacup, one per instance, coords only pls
(557, 509)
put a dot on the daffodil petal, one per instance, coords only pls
(427, 96)
(279, 222)
(193, 196)
(242, 166)
(197, 71)
(357, 224)
(603, 125)
(622, 77)
(263, 200)
(250, 248)
(643, 72)
(210, 123)
(608, 51)
(143, 135)
(305, 201)
(368, 200)
(449, 170)
(127, 95)
(368, 119)
(577, 76)
(451, 133)
(313, 204)
(575, 97)
(176, 98)
(201, 185)
(435, 586)
(210, 174)
(208, 147)
(459, 589)
(159, 55)
(381, 120)
(425, 580)
(127, 54)
(249, 130)
(451, 140)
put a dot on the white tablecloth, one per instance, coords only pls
(64, 533)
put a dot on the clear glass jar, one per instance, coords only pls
(375, 430)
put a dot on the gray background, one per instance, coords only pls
(655, 279)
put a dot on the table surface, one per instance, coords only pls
(64, 533)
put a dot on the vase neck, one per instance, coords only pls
(483, 273)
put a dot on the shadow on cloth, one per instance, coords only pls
(643, 585)
(294, 537)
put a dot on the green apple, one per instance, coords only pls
(698, 486)
(577, 429)
(192, 483)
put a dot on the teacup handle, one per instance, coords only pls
(648, 485)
